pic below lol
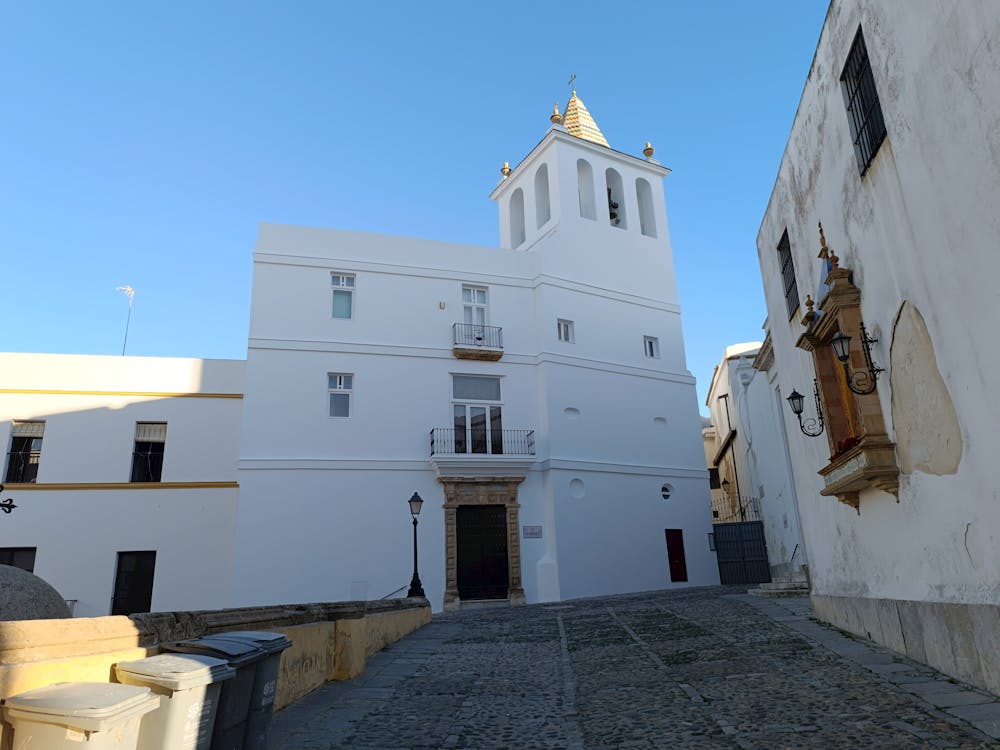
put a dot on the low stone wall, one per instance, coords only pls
(329, 641)
(961, 640)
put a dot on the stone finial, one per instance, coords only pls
(505, 170)
(810, 315)
(648, 151)
(825, 251)
(555, 117)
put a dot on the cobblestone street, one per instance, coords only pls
(703, 668)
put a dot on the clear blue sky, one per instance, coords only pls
(141, 143)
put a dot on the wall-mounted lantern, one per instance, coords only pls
(860, 382)
(809, 426)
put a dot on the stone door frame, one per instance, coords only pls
(459, 491)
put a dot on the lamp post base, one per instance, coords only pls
(416, 589)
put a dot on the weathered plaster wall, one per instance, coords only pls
(919, 227)
(928, 435)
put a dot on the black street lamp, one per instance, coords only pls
(6, 505)
(415, 588)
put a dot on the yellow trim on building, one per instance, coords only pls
(122, 486)
(149, 394)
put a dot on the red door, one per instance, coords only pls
(675, 555)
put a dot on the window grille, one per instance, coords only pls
(863, 109)
(788, 275)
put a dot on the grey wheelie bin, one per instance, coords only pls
(190, 686)
(75, 715)
(265, 683)
(234, 699)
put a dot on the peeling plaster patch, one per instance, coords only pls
(928, 436)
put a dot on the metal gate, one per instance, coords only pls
(741, 552)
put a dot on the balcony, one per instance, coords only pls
(477, 342)
(481, 452)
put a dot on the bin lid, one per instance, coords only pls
(237, 653)
(265, 639)
(84, 700)
(175, 671)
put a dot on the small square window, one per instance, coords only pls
(564, 330)
(340, 385)
(651, 347)
(343, 295)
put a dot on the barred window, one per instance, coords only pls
(788, 275)
(863, 109)
(147, 455)
(25, 452)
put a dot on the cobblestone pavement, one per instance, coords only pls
(701, 668)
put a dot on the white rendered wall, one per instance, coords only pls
(921, 226)
(90, 405)
(599, 407)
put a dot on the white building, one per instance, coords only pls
(123, 470)
(895, 148)
(535, 395)
(747, 448)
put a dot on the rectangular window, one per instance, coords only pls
(19, 557)
(147, 456)
(341, 385)
(475, 388)
(25, 450)
(713, 478)
(863, 109)
(343, 295)
(564, 330)
(474, 305)
(651, 346)
(133, 583)
(788, 275)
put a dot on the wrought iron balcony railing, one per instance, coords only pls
(447, 441)
(474, 336)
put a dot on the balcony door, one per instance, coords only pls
(478, 429)
(474, 315)
(476, 412)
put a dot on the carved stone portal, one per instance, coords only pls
(460, 491)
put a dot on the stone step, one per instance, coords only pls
(776, 592)
(781, 585)
(483, 603)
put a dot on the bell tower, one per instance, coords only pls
(588, 210)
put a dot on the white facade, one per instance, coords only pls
(592, 363)
(918, 230)
(564, 405)
(745, 402)
(81, 508)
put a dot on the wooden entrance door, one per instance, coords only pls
(482, 552)
(675, 555)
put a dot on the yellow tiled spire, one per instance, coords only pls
(578, 122)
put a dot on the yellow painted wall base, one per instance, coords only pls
(329, 642)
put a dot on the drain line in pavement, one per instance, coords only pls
(573, 733)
